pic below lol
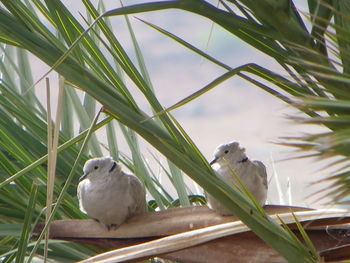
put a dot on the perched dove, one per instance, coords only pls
(230, 157)
(109, 195)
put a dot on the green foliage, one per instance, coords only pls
(23, 143)
(315, 85)
(316, 64)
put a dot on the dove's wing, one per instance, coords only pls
(261, 171)
(139, 196)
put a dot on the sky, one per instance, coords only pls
(233, 111)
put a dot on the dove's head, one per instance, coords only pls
(229, 153)
(99, 167)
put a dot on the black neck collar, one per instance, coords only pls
(243, 160)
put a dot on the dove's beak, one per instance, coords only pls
(83, 177)
(214, 161)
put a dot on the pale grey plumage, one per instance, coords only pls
(109, 195)
(252, 174)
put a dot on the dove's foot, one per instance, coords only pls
(111, 226)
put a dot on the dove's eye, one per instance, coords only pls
(96, 167)
(226, 151)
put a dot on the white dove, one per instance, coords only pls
(230, 159)
(109, 195)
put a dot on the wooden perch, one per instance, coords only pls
(198, 234)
